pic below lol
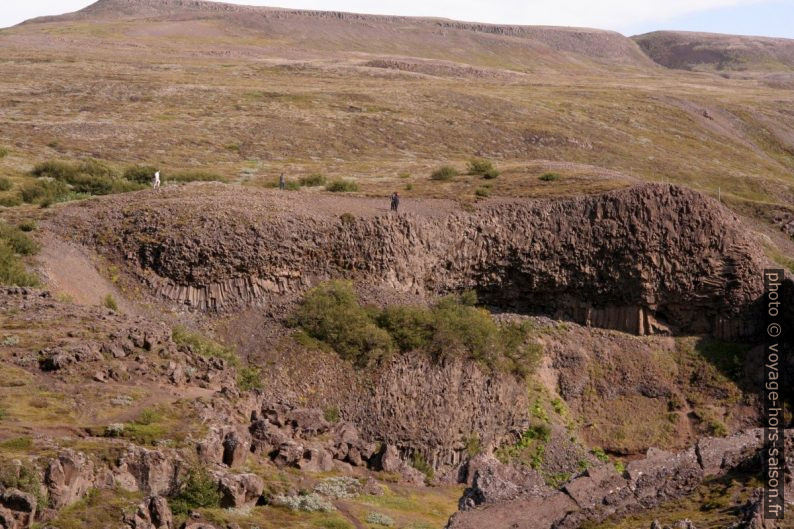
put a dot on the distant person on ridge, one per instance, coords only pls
(156, 181)
(282, 183)
(395, 201)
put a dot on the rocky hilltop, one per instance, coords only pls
(647, 259)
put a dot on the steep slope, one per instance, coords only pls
(712, 51)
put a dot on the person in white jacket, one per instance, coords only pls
(156, 181)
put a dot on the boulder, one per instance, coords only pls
(240, 490)
(307, 422)
(20, 506)
(68, 478)
(494, 482)
(720, 454)
(235, 449)
(7, 520)
(594, 486)
(288, 454)
(316, 460)
(152, 513)
(663, 475)
(150, 471)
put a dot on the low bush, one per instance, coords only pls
(203, 346)
(347, 218)
(453, 326)
(331, 313)
(17, 240)
(27, 225)
(249, 378)
(444, 173)
(304, 502)
(313, 180)
(3, 152)
(482, 192)
(5, 183)
(10, 201)
(482, 167)
(376, 518)
(45, 192)
(90, 177)
(141, 174)
(25, 478)
(341, 186)
(12, 271)
(198, 491)
(419, 462)
(341, 487)
(109, 302)
(549, 177)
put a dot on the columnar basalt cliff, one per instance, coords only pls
(647, 259)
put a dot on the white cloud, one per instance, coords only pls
(607, 14)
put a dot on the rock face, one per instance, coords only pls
(149, 471)
(634, 260)
(68, 478)
(500, 497)
(17, 509)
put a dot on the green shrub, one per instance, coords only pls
(444, 173)
(482, 192)
(419, 462)
(3, 152)
(341, 186)
(249, 378)
(473, 445)
(141, 174)
(347, 218)
(482, 167)
(109, 302)
(313, 180)
(27, 225)
(331, 313)
(193, 175)
(17, 444)
(90, 177)
(454, 326)
(411, 327)
(292, 185)
(5, 183)
(599, 454)
(409, 187)
(376, 518)
(17, 240)
(12, 271)
(404, 174)
(198, 491)
(549, 177)
(45, 192)
(203, 346)
(331, 414)
(10, 201)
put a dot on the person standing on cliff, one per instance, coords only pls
(395, 201)
(282, 183)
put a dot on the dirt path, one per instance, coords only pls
(347, 513)
(69, 271)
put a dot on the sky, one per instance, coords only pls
(773, 18)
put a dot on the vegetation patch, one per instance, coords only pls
(193, 175)
(453, 326)
(249, 378)
(312, 180)
(482, 167)
(141, 174)
(89, 177)
(198, 491)
(204, 346)
(5, 183)
(341, 186)
(444, 173)
(15, 244)
(549, 177)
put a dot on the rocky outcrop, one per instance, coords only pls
(639, 259)
(153, 472)
(152, 513)
(68, 478)
(17, 509)
(240, 490)
(500, 497)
